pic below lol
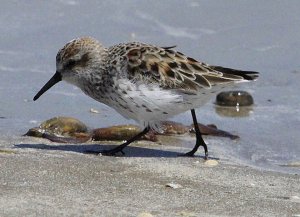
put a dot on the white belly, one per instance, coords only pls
(151, 104)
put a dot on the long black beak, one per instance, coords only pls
(55, 79)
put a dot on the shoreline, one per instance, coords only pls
(40, 177)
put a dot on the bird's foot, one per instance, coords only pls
(188, 154)
(192, 154)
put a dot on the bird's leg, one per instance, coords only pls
(122, 146)
(199, 139)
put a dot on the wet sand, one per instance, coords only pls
(39, 178)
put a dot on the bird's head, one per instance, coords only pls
(75, 62)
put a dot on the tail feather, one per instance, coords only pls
(247, 75)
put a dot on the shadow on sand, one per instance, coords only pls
(130, 151)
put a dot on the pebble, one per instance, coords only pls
(211, 163)
(234, 98)
(95, 111)
(173, 185)
(295, 199)
(2, 151)
(292, 164)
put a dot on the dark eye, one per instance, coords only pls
(70, 64)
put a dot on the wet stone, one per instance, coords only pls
(63, 126)
(234, 98)
(71, 130)
(61, 129)
(212, 130)
(120, 132)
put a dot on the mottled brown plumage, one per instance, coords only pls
(173, 69)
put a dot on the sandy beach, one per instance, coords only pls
(39, 178)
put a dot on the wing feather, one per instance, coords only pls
(173, 70)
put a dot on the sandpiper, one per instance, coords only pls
(142, 82)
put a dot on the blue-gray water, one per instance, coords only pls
(253, 35)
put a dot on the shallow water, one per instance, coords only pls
(236, 34)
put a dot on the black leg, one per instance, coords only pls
(122, 146)
(199, 139)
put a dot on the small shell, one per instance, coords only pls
(211, 163)
(173, 185)
(95, 111)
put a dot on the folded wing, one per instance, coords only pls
(173, 70)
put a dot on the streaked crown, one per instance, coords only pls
(78, 53)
